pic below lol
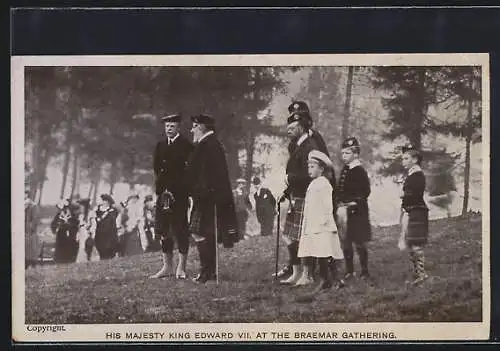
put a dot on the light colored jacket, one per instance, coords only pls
(318, 208)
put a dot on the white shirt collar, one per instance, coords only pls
(173, 139)
(414, 169)
(302, 138)
(354, 163)
(210, 132)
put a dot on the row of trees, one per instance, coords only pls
(398, 105)
(102, 122)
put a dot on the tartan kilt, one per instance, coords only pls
(293, 221)
(418, 225)
(202, 221)
(170, 224)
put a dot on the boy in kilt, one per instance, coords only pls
(414, 217)
(353, 217)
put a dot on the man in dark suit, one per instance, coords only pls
(171, 223)
(265, 205)
(213, 214)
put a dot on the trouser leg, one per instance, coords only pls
(362, 252)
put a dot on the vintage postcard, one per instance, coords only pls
(215, 198)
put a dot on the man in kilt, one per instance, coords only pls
(414, 213)
(213, 213)
(171, 223)
(353, 218)
(302, 140)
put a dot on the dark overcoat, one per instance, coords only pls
(210, 188)
(354, 186)
(106, 234)
(265, 204)
(65, 227)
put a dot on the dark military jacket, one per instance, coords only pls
(169, 164)
(354, 186)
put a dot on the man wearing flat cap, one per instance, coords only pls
(171, 223)
(213, 215)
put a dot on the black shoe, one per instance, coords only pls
(285, 271)
(348, 276)
(202, 278)
(364, 275)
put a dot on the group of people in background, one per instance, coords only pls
(112, 229)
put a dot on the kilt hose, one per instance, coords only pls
(293, 221)
(417, 231)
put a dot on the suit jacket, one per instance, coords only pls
(169, 164)
(296, 168)
(208, 183)
(265, 203)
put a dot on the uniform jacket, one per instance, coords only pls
(296, 168)
(208, 183)
(354, 186)
(413, 191)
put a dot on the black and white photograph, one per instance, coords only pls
(253, 197)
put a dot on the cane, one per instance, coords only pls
(277, 243)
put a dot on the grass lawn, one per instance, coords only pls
(118, 291)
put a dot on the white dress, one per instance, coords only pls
(319, 236)
(82, 235)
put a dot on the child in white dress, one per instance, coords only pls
(319, 236)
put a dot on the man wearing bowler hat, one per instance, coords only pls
(213, 215)
(171, 223)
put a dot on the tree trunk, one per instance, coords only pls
(67, 156)
(113, 177)
(91, 189)
(468, 140)
(347, 104)
(96, 181)
(76, 169)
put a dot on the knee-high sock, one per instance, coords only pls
(293, 249)
(323, 268)
(418, 260)
(363, 257)
(349, 257)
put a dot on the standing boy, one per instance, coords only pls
(352, 208)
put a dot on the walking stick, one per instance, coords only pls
(277, 243)
(216, 248)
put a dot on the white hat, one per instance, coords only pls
(240, 180)
(316, 155)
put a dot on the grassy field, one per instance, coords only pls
(118, 291)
